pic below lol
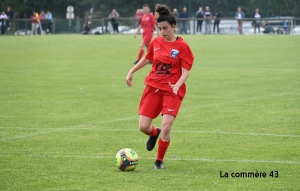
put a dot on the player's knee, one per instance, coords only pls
(165, 133)
(166, 128)
(144, 127)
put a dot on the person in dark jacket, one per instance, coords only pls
(86, 27)
(183, 15)
(10, 14)
(199, 15)
(217, 17)
(257, 20)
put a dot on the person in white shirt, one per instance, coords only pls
(49, 22)
(207, 17)
(239, 16)
(3, 19)
(257, 20)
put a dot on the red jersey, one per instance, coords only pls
(148, 22)
(168, 59)
(33, 19)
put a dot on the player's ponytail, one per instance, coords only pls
(165, 14)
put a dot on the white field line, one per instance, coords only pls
(236, 101)
(170, 159)
(136, 116)
(280, 69)
(76, 127)
(135, 130)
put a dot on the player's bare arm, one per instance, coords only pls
(182, 79)
(143, 62)
(137, 31)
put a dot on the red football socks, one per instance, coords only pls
(153, 132)
(162, 149)
(141, 53)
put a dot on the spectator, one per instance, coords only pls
(239, 16)
(33, 24)
(138, 16)
(217, 17)
(49, 22)
(10, 14)
(175, 13)
(43, 21)
(285, 26)
(268, 28)
(207, 17)
(3, 19)
(114, 19)
(86, 27)
(183, 15)
(199, 15)
(257, 20)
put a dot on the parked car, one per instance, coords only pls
(296, 30)
(98, 30)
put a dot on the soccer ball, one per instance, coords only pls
(126, 159)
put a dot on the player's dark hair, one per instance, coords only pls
(165, 14)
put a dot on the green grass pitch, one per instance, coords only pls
(65, 111)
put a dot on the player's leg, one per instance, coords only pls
(145, 125)
(145, 42)
(164, 140)
(171, 106)
(150, 108)
(141, 52)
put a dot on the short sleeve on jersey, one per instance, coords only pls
(150, 52)
(187, 57)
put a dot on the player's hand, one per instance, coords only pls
(129, 79)
(174, 88)
(134, 35)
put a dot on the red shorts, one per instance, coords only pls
(155, 101)
(147, 36)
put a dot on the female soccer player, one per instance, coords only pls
(148, 24)
(165, 85)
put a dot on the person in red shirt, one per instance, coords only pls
(138, 16)
(34, 23)
(165, 85)
(43, 22)
(148, 24)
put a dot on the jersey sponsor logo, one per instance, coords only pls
(156, 49)
(147, 18)
(174, 53)
(162, 68)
